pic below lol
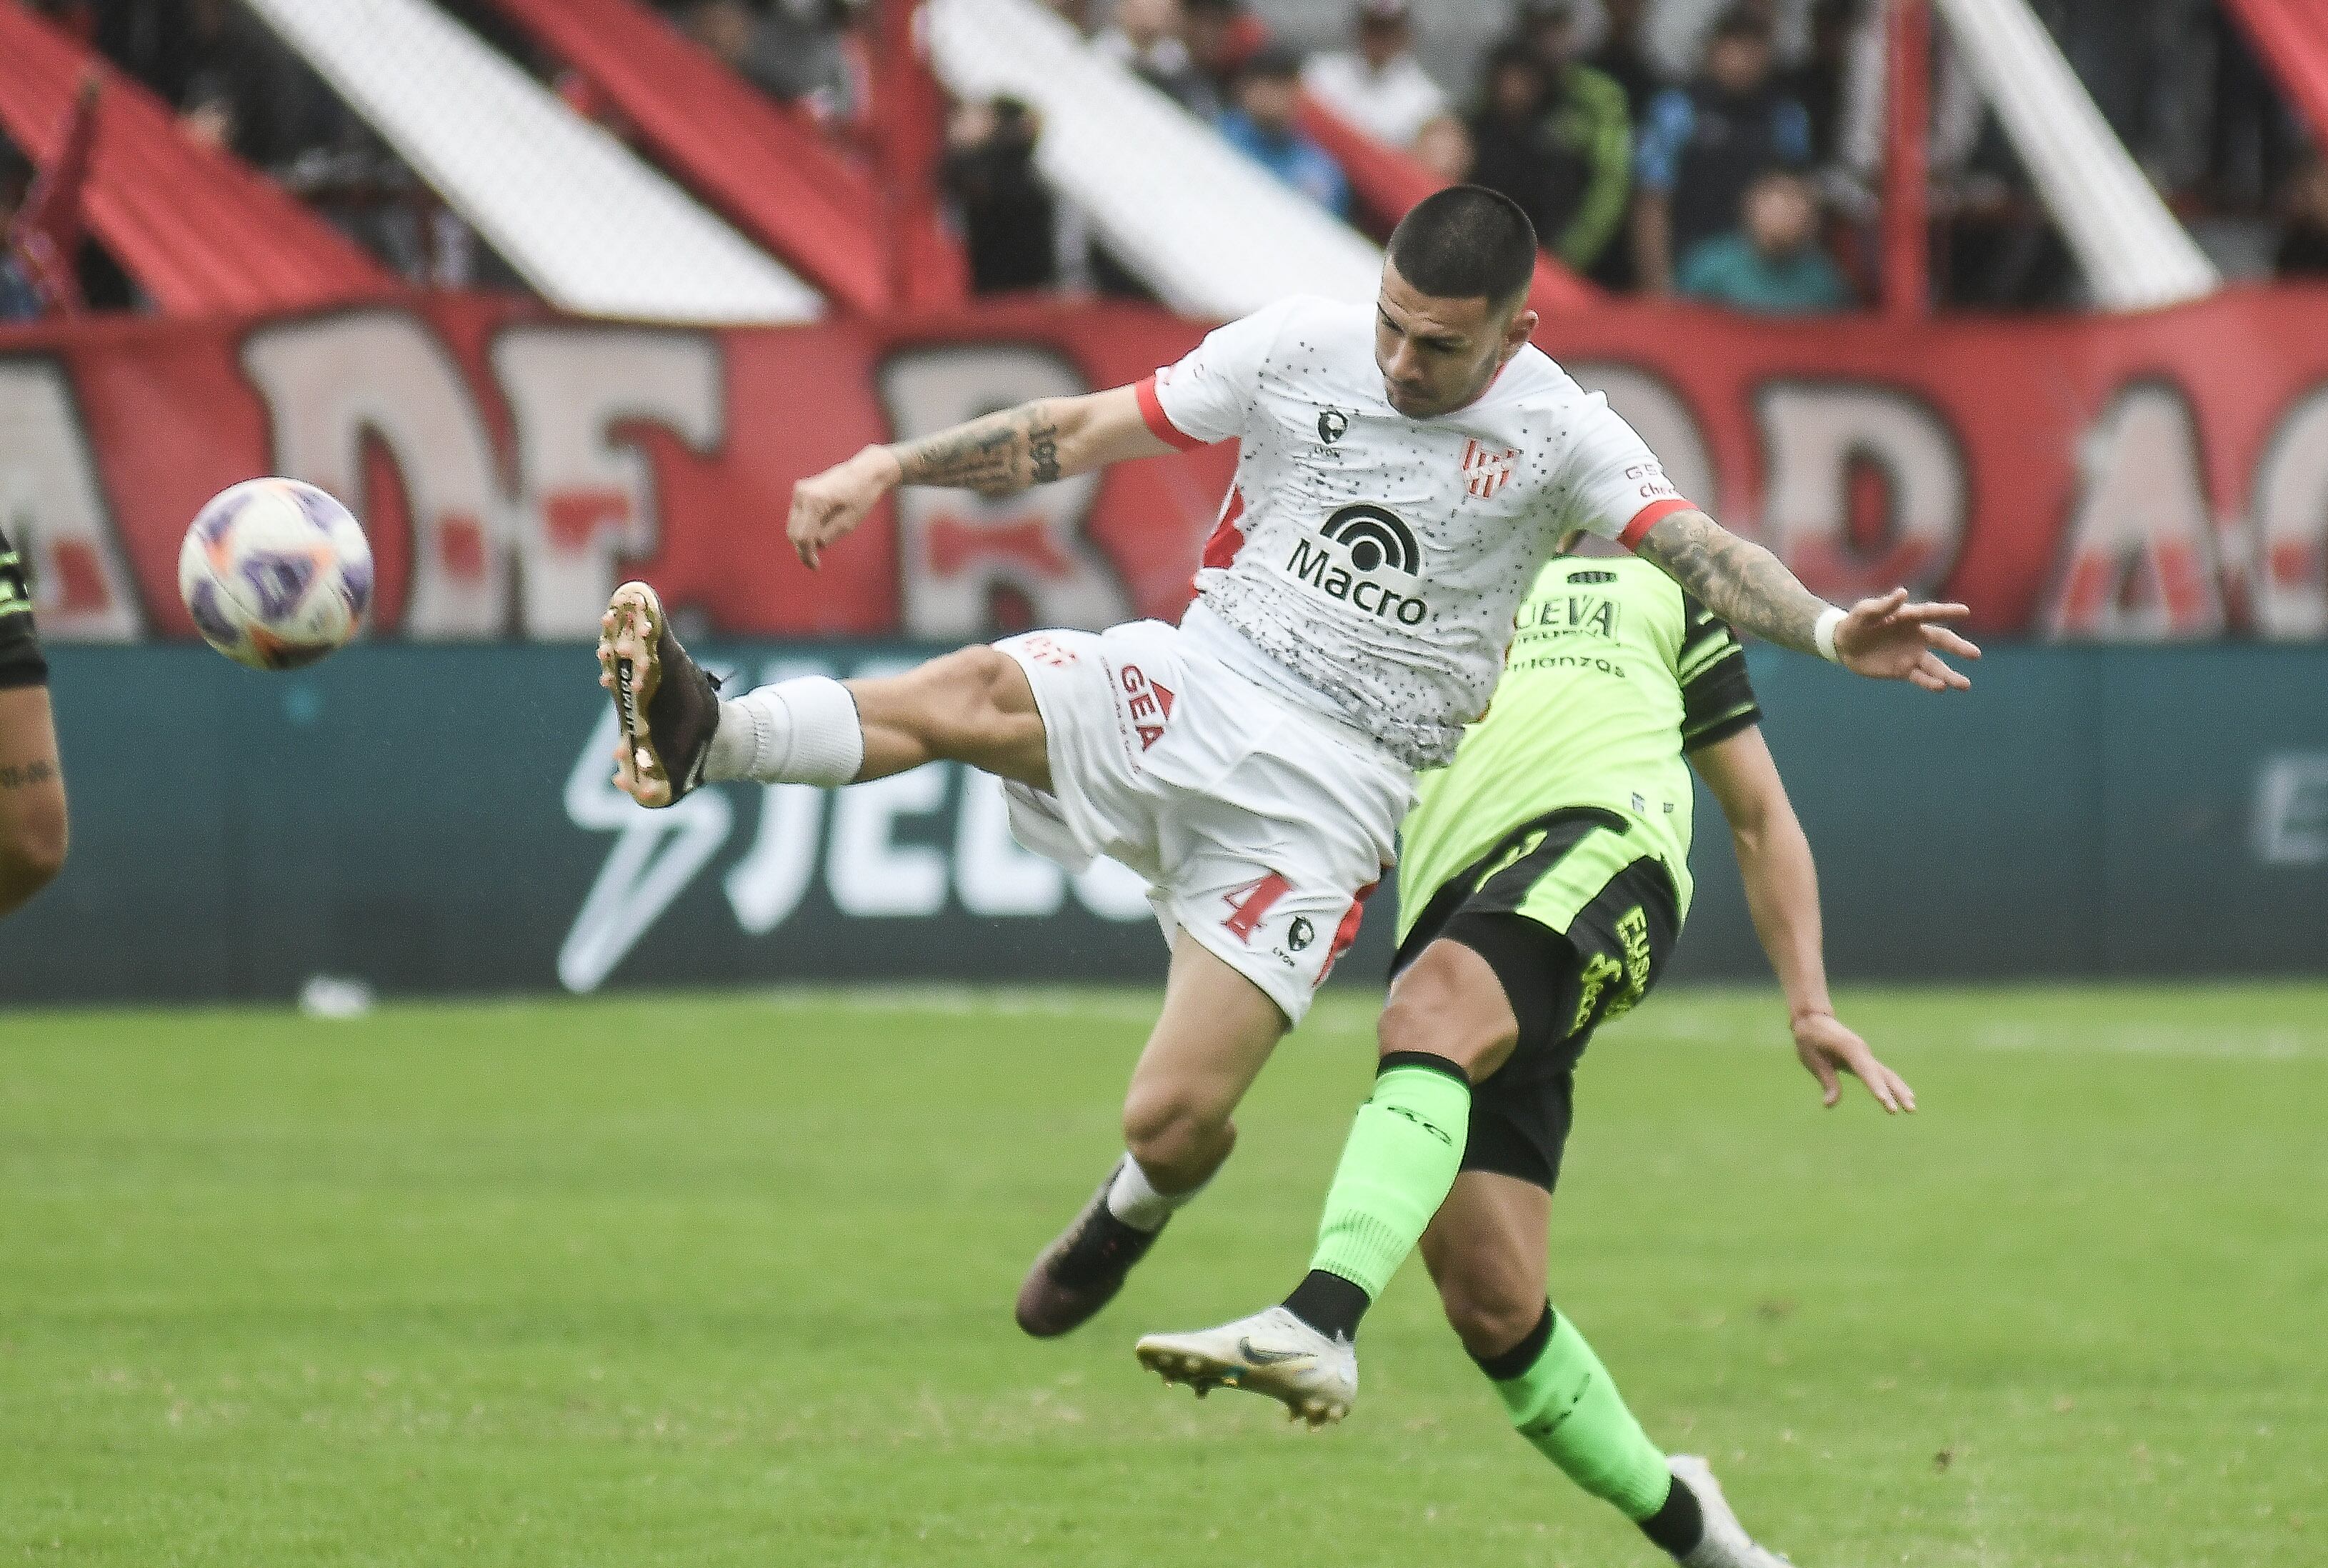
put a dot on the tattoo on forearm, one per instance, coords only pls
(996, 455)
(1742, 583)
(32, 772)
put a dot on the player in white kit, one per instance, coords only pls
(1404, 470)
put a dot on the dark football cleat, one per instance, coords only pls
(1081, 1271)
(668, 706)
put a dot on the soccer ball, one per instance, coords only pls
(275, 574)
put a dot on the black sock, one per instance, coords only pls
(1678, 1526)
(1329, 1304)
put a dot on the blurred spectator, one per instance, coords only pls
(2303, 242)
(1146, 37)
(19, 301)
(1554, 138)
(1221, 35)
(2251, 138)
(1623, 55)
(1820, 79)
(1010, 219)
(1701, 145)
(1773, 265)
(1379, 86)
(796, 51)
(1261, 127)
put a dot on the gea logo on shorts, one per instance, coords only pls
(1373, 539)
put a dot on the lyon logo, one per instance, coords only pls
(1486, 472)
(1149, 703)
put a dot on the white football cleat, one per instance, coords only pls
(1726, 1544)
(1274, 1353)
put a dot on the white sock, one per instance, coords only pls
(804, 731)
(1134, 1201)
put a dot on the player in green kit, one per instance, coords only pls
(1543, 879)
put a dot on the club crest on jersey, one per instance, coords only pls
(1331, 424)
(1486, 472)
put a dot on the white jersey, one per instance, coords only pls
(1375, 559)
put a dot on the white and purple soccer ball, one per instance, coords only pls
(275, 574)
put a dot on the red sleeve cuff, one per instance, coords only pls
(1152, 410)
(1647, 519)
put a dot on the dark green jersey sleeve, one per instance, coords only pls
(1717, 699)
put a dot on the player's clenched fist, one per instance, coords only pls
(827, 505)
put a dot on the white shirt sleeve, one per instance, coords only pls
(1610, 482)
(1208, 395)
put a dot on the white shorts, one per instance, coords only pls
(1259, 827)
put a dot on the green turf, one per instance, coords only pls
(711, 1282)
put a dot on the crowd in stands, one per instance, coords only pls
(1747, 178)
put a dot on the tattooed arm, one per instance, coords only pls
(1885, 637)
(1741, 582)
(1004, 453)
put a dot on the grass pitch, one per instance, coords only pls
(711, 1282)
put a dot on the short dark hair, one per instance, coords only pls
(1466, 242)
(1742, 21)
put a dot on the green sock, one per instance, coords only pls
(1395, 1171)
(1563, 1401)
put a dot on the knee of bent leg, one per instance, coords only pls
(1491, 1309)
(32, 844)
(1172, 1130)
(1440, 1009)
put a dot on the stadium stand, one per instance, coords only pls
(199, 232)
(2292, 34)
(763, 166)
(1209, 231)
(591, 226)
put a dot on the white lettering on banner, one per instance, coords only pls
(2291, 810)
(337, 383)
(1823, 440)
(957, 549)
(869, 875)
(768, 883)
(2140, 562)
(2288, 587)
(53, 511)
(585, 491)
(655, 855)
(1656, 411)
(867, 870)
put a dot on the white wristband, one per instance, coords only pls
(1823, 633)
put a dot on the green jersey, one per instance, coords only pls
(1611, 677)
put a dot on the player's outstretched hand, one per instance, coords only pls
(1829, 1047)
(1893, 640)
(827, 505)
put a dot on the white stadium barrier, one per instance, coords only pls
(592, 228)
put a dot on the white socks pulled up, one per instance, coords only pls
(804, 731)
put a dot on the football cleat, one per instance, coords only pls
(668, 706)
(1726, 1544)
(1274, 1353)
(1080, 1271)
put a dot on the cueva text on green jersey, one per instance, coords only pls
(1612, 676)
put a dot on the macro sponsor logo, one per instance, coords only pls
(1371, 541)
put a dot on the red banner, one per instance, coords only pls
(2143, 477)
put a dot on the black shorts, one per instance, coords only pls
(1562, 984)
(21, 663)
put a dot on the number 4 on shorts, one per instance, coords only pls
(1249, 904)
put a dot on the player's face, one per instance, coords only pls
(1438, 354)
